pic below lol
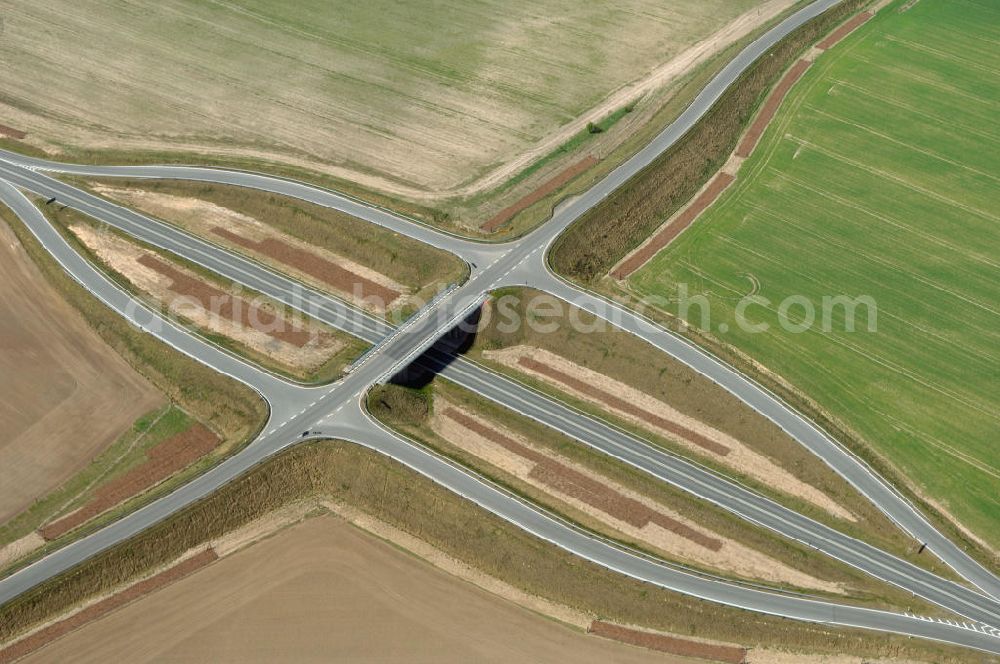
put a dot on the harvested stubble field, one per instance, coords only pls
(877, 178)
(401, 498)
(626, 218)
(351, 258)
(617, 366)
(608, 497)
(417, 101)
(56, 374)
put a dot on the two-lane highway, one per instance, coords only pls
(335, 410)
(425, 326)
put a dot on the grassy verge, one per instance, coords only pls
(231, 409)
(421, 268)
(409, 411)
(613, 352)
(874, 178)
(390, 492)
(125, 453)
(605, 234)
(147, 157)
(572, 146)
(330, 369)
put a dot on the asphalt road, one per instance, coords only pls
(349, 422)
(401, 346)
(336, 410)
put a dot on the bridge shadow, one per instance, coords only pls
(443, 352)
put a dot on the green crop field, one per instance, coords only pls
(880, 177)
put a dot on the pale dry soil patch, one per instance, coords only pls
(202, 217)
(732, 557)
(123, 257)
(64, 394)
(420, 101)
(326, 591)
(768, 656)
(740, 457)
(20, 548)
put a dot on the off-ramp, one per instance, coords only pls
(335, 411)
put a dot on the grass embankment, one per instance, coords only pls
(603, 236)
(409, 411)
(875, 179)
(420, 268)
(232, 410)
(227, 406)
(394, 494)
(624, 357)
(125, 453)
(328, 369)
(650, 115)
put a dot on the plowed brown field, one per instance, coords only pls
(64, 394)
(325, 591)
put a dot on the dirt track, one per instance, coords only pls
(619, 508)
(671, 644)
(578, 485)
(844, 30)
(106, 606)
(621, 404)
(770, 107)
(64, 394)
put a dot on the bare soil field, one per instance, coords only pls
(409, 504)
(324, 590)
(64, 394)
(105, 606)
(415, 101)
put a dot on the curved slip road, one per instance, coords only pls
(354, 425)
(595, 433)
(507, 259)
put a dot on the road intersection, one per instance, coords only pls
(336, 411)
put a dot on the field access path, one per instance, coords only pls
(336, 411)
